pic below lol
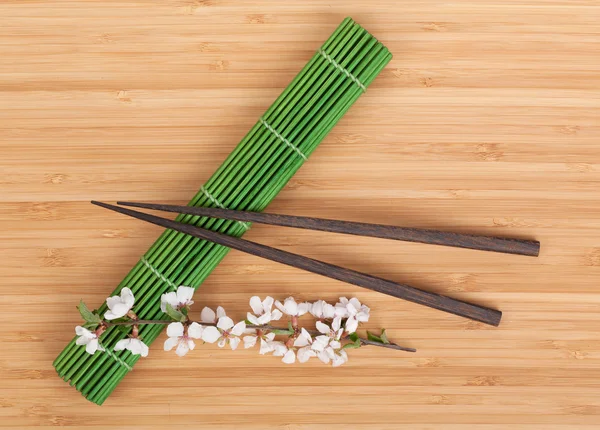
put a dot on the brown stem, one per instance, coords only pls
(261, 327)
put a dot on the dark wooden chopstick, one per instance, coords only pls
(432, 300)
(434, 237)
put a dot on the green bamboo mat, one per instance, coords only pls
(253, 174)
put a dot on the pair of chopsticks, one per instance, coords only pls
(406, 292)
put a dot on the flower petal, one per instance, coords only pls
(210, 334)
(279, 306)
(256, 305)
(80, 331)
(355, 303)
(112, 301)
(339, 359)
(207, 315)
(267, 304)
(269, 336)
(195, 330)
(362, 316)
(343, 301)
(320, 342)
(170, 343)
(249, 341)
(234, 342)
(276, 315)
(264, 318)
(265, 347)
(336, 324)
(305, 353)
(316, 309)
(82, 340)
(222, 342)
(239, 328)
(323, 357)
(323, 328)
(252, 318)
(135, 346)
(225, 323)
(127, 297)
(182, 349)
(289, 357)
(328, 311)
(170, 298)
(220, 312)
(184, 294)
(175, 329)
(145, 349)
(92, 346)
(118, 310)
(290, 306)
(279, 348)
(351, 325)
(341, 310)
(108, 315)
(121, 345)
(303, 308)
(303, 339)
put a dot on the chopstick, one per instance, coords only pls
(434, 237)
(406, 292)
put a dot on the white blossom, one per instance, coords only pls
(290, 307)
(134, 345)
(89, 339)
(351, 325)
(280, 350)
(265, 340)
(182, 337)
(322, 310)
(357, 310)
(337, 357)
(208, 315)
(304, 344)
(263, 313)
(225, 332)
(119, 305)
(331, 335)
(177, 300)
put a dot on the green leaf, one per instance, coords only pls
(374, 338)
(90, 326)
(282, 331)
(383, 337)
(352, 345)
(184, 310)
(290, 327)
(356, 342)
(88, 315)
(175, 314)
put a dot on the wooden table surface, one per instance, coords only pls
(485, 121)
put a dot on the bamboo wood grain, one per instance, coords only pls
(406, 292)
(433, 237)
(485, 121)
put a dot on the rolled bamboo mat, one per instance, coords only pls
(249, 179)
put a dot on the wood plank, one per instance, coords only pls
(486, 121)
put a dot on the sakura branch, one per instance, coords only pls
(334, 333)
